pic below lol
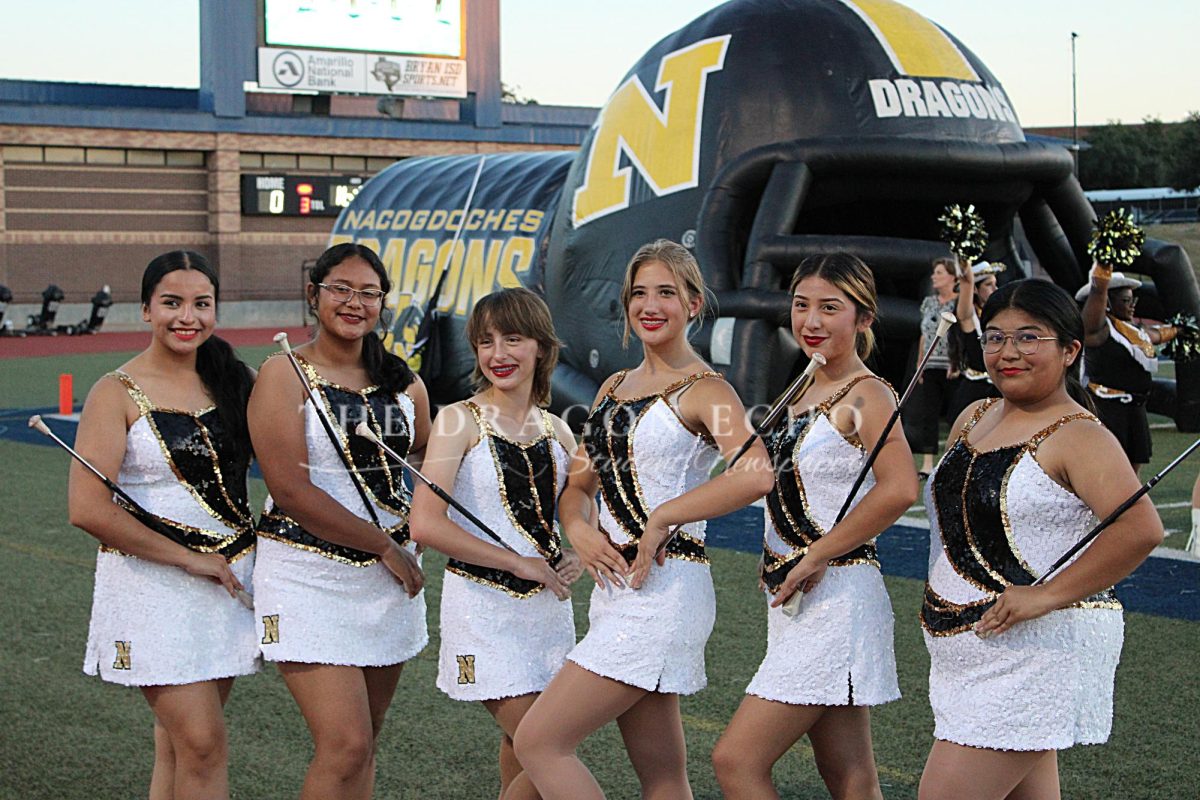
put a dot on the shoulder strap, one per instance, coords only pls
(139, 397)
(682, 385)
(480, 419)
(978, 415)
(619, 379)
(1045, 433)
(833, 399)
(548, 424)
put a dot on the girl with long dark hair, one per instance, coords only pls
(1018, 672)
(170, 426)
(338, 585)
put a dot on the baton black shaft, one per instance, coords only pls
(132, 507)
(887, 429)
(1118, 511)
(449, 499)
(334, 439)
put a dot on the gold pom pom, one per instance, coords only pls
(962, 229)
(1116, 242)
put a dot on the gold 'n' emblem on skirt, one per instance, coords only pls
(466, 669)
(270, 629)
(124, 660)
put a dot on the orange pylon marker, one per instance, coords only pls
(66, 400)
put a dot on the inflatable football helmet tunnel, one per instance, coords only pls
(760, 133)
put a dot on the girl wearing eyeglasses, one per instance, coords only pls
(337, 583)
(1018, 672)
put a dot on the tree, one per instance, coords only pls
(1126, 156)
(1184, 170)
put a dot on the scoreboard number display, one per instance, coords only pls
(298, 196)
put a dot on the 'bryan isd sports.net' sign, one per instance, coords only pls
(361, 73)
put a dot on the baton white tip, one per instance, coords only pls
(945, 322)
(818, 359)
(282, 338)
(364, 430)
(36, 423)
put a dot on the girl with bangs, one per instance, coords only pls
(649, 445)
(506, 617)
(829, 663)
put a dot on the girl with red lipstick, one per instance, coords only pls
(652, 438)
(827, 665)
(170, 427)
(1018, 672)
(338, 598)
(507, 621)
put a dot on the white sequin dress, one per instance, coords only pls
(321, 603)
(154, 624)
(1047, 683)
(838, 650)
(653, 637)
(503, 636)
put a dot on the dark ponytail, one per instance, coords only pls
(386, 370)
(1050, 304)
(225, 376)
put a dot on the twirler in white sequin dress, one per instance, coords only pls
(322, 603)
(503, 636)
(154, 624)
(838, 650)
(998, 520)
(653, 637)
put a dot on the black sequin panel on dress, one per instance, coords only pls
(788, 511)
(968, 498)
(384, 480)
(528, 489)
(202, 456)
(606, 436)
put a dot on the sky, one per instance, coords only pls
(1134, 59)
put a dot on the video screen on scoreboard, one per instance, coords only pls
(412, 27)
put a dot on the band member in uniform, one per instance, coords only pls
(650, 442)
(827, 665)
(975, 286)
(170, 426)
(1018, 672)
(339, 601)
(506, 617)
(1120, 359)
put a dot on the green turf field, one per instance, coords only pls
(63, 735)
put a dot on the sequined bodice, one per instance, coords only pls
(392, 419)
(513, 487)
(996, 520)
(815, 466)
(645, 456)
(184, 469)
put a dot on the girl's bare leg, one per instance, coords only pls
(508, 713)
(573, 706)
(954, 771)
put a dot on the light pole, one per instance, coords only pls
(1074, 108)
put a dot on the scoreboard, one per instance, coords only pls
(298, 195)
